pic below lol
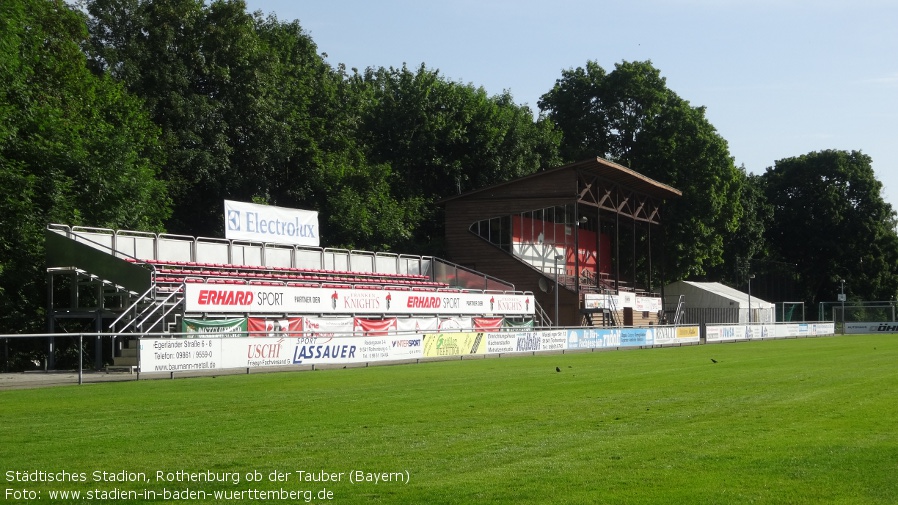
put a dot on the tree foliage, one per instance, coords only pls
(831, 222)
(204, 77)
(146, 114)
(630, 116)
(747, 243)
(74, 148)
(442, 138)
(319, 163)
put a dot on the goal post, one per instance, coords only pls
(790, 311)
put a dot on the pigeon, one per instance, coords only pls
(557, 369)
(713, 360)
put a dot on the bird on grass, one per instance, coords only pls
(713, 360)
(557, 369)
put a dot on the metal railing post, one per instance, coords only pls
(80, 359)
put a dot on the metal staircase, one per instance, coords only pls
(152, 312)
(675, 315)
(605, 316)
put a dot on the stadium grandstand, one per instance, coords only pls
(576, 237)
(579, 236)
(125, 282)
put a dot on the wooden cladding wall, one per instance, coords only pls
(470, 250)
(539, 191)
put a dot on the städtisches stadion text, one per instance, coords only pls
(294, 485)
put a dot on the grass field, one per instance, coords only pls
(803, 421)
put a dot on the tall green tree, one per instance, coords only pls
(631, 117)
(250, 111)
(206, 82)
(746, 247)
(74, 149)
(316, 161)
(831, 222)
(441, 138)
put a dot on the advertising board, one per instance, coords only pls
(267, 223)
(242, 298)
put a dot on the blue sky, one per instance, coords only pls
(779, 78)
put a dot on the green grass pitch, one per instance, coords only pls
(799, 421)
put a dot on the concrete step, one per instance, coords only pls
(121, 368)
(125, 361)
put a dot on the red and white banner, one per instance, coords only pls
(487, 323)
(261, 327)
(375, 327)
(329, 326)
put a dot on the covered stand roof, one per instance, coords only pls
(623, 176)
(598, 182)
(594, 210)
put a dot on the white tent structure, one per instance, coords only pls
(712, 302)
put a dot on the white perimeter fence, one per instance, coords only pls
(197, 353)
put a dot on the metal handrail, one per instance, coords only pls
(133, 307)
(162, 304)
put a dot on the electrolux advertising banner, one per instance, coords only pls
(283, 299)
(267, 223)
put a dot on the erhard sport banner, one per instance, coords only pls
(220, 298)
(267, 223)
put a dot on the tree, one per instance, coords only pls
(316, 162)
(250, 112)
(441, 138)
(747, 243)
(206, 81)
(634, 119)
(830, 220)
(75, 149)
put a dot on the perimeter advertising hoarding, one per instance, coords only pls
(197, 354)
(886, 327)
(221, 298)
(454, 344)
(666, 335)
(267, 223)
(188, 354)
(525, 341)
(595, 338)
(730, 332)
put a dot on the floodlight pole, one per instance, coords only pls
(750, 277)
(556, 257)
(843, 305)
